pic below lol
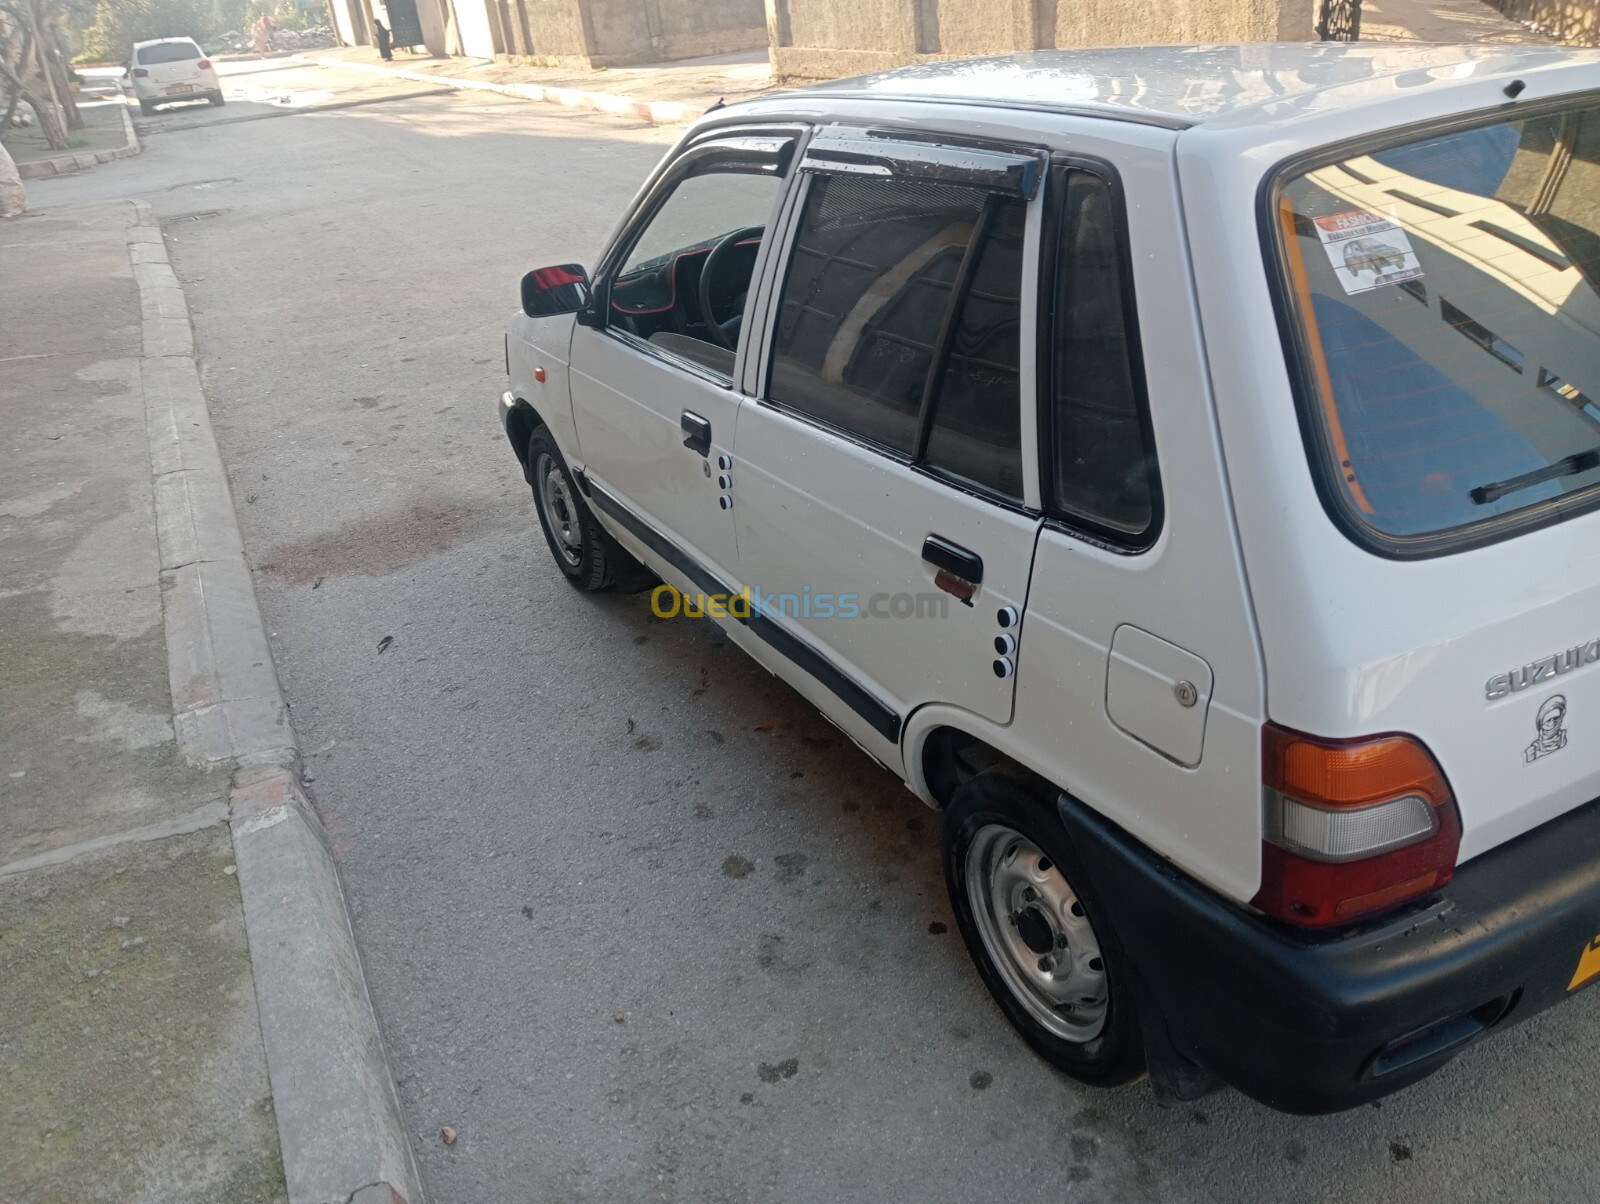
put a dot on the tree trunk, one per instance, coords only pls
(60, 85)
(46, 68)
(14, 95)
(49, 118)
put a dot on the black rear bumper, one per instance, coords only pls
(1318, 1023)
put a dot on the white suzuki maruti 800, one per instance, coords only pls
(1242, 404)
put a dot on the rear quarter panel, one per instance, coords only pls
(1188, 589)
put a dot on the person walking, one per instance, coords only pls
(385, 42)
(262, 35)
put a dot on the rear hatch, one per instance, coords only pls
(1442, 301)
(173, 67)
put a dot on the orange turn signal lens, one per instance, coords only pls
(1351, 828)
(1347, 773)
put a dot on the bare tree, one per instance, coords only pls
(31, 60)
(47, 17)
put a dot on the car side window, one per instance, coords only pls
(898, 322)
(1101, 466)
(682, 285)
(976, 433)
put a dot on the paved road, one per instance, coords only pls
(551, 810)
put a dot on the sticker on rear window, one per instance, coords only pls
(1367, 250)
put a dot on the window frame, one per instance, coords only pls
(1314, 437)
(1025, 185)
(708, 155)
(1057, 517)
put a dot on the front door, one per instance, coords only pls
(882, 495)
(653, 368)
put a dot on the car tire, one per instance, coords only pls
(216, 99)
(581, 549)
(1040, 938)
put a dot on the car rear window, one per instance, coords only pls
(1446, 294)
(167, 52)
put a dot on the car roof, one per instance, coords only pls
(158, 41)
(1258, 83)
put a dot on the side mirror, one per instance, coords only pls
(559, 290)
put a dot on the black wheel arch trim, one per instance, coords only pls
(879, 715)
(520, 420)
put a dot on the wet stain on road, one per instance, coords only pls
(736, 867)
(382, 544)
(771, 1072)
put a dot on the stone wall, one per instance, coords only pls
(823, 39)
(618, 33)
(1119, 23)
(1577, 21)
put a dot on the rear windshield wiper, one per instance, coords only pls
(1571, 466)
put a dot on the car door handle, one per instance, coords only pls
(953, 558)
(697, 432)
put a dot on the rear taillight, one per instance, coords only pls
(140, 73)
(205, 64)
(1352, 827)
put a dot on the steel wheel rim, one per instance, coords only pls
(555, 501)
(1037, 934)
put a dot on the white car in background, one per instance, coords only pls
(170, 69)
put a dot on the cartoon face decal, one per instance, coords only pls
(1550, 723)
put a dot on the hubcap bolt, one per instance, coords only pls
(1028, 894)
(1061, 940)
(1046, 965)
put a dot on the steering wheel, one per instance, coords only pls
(718, 261)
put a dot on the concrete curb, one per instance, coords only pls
(339, 1120)
(66, 165)
(658, 112)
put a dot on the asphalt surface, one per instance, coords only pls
(625, 945)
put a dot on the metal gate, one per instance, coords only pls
(1339, 20)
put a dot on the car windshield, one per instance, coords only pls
(168, 52)
(1447, 292)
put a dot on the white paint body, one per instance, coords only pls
(183, 79)
(1251, 594)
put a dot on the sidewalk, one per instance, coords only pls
(1441, 21)
(182, 1012)
(131, 1060)
(107, 134)
(664, 93)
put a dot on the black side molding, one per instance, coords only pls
(953, 558)
(879, 715)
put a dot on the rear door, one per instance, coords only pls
(886, 513)
(652, 370)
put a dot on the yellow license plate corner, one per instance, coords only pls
(1588, 965)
